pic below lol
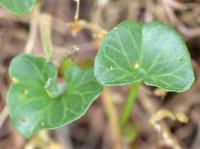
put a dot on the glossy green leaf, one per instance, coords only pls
(35, 101)
(153, 53)
(19, 7)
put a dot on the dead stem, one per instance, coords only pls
(112, 117)
(76, 16)
(33, 30)
(161, 127)
(45, 32)
(3, 116)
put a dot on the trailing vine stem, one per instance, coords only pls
(129, 104)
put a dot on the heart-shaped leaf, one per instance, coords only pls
(153, 53)
(35, 101)
(19, 7)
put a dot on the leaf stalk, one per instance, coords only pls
(129, 104)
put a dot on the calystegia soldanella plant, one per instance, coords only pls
(130, 54)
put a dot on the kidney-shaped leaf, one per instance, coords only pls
(19, 7)
(153, 53)
(30, 102)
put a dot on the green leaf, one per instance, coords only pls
(30, 105)
(153, 53)
(19, 7)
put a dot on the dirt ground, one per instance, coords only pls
(94, 131)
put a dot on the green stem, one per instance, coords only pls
(129, 104)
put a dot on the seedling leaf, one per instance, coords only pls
(153, 53)
(30, 102)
